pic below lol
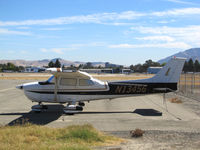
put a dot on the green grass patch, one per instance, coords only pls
(34, 137)
(84, 133)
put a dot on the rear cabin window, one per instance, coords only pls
(68, 82)
(85, 82)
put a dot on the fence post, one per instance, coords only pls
(179, 84)
(185, 84)
(192, 83)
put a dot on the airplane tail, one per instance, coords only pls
(170, 73)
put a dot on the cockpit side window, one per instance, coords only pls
(85, 82)
(68, 82)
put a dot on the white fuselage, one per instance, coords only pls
(32, 91)
(47, 92)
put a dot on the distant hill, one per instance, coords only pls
(193, 53)
(44, 62)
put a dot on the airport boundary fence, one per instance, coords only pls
(189, 85)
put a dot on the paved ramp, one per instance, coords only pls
(122, 114)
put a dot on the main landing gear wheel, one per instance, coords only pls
(71, 109)
(39, 108)
(81, 103)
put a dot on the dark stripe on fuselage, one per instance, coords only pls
(122, 88)
(141, 88)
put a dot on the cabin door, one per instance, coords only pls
(65, 87)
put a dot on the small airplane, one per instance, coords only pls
(76, 87)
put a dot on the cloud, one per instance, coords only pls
(11, 52)
(23, 27)
(112, 18)
(165, 37)
(178, 12)
(188, 34)
(55, 50)
(58, 50)
(93, 18)
(158, 45)
(166, 21)
(173, 31)
(44, 50)
(181, 2)
(23, 52)
(92, 44)
(52, 29)
(72, 47)
(12, 32)
(156, 38)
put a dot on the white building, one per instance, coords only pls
(127, 71)
(106, 70)
(33, 69)
(91, 70)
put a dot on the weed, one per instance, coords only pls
(175, 100)
(137, 133)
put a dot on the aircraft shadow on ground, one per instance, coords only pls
(56, 111)
(42, 118)
(148, 112)
(142, 112)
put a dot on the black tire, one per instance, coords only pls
(81, 104)
(44, 107)
(37, 112)
(70, 113)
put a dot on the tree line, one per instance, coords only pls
(191, 66)
(11, 67)
(57, 64)
(116, 68)
(143, 67)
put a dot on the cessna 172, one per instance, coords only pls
(75, 87)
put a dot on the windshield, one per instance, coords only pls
(51, 79)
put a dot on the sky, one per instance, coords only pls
(118, 31)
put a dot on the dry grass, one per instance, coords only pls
(175, 100)
(190, 79)
(137, 133)
(36, 137)
(45, 76)
(105, 77)
(23, 78)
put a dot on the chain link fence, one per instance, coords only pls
(189, 85)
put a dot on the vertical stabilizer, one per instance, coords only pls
(170, 73)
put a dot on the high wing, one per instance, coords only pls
(69, 73)
(85, 82)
